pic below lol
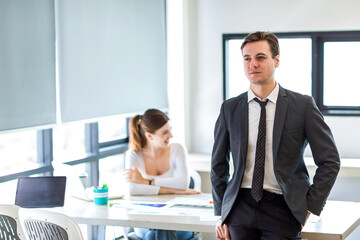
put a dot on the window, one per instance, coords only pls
(57, 76)
(294, 72)
(69, 141)
(314, 63)
(340, 61)
(9, 190)
(18, 150)
(111, 172)
(237, 82)
(292, 59)
(113, 127)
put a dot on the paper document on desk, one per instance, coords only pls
(204, 214)
(207, 215)
(161, 208)
(137, 205)
(164, 211)
(191, 202)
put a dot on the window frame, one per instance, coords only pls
(317, 77)
(94, 150)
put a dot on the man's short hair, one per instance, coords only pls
(263, 36)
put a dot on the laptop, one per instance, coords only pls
(44, 191)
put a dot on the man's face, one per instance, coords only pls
(258, 63)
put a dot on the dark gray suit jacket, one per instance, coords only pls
(297, 122)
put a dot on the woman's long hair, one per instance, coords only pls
(152, 120)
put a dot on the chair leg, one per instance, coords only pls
(201, 236)
(125, 230)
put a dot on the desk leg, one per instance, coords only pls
(96, 232)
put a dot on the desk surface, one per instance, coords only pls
(337, 220)
(120, 215)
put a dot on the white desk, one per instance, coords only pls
(337, 220)
(91, 214)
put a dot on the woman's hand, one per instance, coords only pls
(177, 191)
(188, 191)
(133, 175)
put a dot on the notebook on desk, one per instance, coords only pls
(45, 191)
(76, 188)
(87, 194)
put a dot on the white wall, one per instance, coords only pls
(207, 20)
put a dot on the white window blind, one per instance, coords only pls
(27, 64)
(112, 57)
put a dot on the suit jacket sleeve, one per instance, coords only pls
(220, 161)
(325, 156)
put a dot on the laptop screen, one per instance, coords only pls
(40, 191)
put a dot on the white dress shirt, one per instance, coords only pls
(176, 177)
(270, 182)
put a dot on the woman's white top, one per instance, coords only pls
(176, 177)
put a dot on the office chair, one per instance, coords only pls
(10, 227)
(130, 235)
(47, 225)
(195, 180)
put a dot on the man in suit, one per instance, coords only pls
(279, 206)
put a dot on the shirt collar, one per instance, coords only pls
(272, 96)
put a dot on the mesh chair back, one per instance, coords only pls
(48, 225)
(10, 228)
(41, 230)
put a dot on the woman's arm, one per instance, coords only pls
(137, 184)
(176, 191)
(141, 186)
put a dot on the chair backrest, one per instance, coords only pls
(196, 180)
(10, 227)
(47, 225)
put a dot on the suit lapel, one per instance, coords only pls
(280, 113)
(243, 113)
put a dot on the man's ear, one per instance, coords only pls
(277, 61)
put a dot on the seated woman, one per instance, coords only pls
(154, 166)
